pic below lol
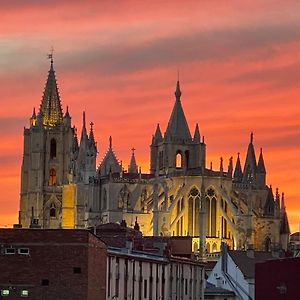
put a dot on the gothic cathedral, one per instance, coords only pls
(61, 187)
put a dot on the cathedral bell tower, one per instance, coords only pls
(47, 160)
(177, 151)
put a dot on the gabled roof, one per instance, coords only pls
(246, 263)
(50, 108)
(110, 163)
(178, 128)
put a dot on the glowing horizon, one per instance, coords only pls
(239, 72)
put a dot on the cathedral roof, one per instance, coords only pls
(178, 128)
(50, 108)
(158, 136)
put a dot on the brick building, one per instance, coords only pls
(52, 264)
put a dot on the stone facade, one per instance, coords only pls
(180, 196)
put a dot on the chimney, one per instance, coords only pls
(250, 251)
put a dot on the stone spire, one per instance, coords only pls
(50, 108)
(178, 128)
(238, 174)
(92, 141)
(284, 222)
(261, 165)
(249, 174)
(269, 204)
(158, 136)
(132, 168)
(84, 136)
(230, 167)
(196, 138)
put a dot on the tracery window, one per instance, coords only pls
(193, 212)
(211, 212)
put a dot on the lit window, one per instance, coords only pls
(52, 177)
(10, 251)
(23, 251)
(24, 293)
(4, 292)
(178, 160)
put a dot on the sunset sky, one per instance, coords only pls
(239, 68)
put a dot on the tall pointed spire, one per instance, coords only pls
(196, 138)
(249, 174)
(261, 165)
(84, 136)
(132, 168)
(178, 128)
(284, 222)
(50, 108)
(238, 174)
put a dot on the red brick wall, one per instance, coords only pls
(53, 256)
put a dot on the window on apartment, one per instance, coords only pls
(5, 293)
(24, 293)
(23, 251)
(10, 251)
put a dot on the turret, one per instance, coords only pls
(284, 226)
(261, 171)
(132, 168)
(238, 174)
(249, 174)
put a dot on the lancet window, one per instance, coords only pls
(193, 211)
(53, 148)
(211, 212)
(52, 210)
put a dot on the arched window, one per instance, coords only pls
(52, 210)
(52, 177)
(193, 212)
(207, 247)
(53, 148)
(214, 247)
(268, 244)
(211, 212)
(178, 160)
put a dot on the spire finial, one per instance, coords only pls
(178, 91)
(251, 138)
(91, 124)
(238, 154)
(177, 74)
(50, 56)
(133, 149)
(110, 142)
(83, 119)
